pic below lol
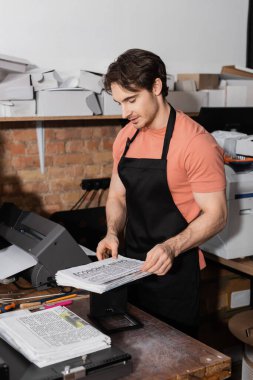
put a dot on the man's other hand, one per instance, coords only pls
(108, 247)
(159, 260)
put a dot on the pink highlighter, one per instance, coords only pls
(61, 303)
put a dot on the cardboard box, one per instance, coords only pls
(108, 105)
(17, 108)
(93, 104)
(15, 80)
(63, 103)
(43, 80)
(233, 71)
(224, 293)
(188, 101)
(203, 81)
(239, 96)
(216, 98)
(91, 81)
(214, 273)
(9, 63)
(238, 290)
(186, 85)
(16, 93)
(170, 82)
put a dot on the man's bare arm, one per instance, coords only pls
(116, 218)
(211, 220)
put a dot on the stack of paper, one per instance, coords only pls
(51, 336)
(101, 276)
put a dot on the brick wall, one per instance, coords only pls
(72, 153)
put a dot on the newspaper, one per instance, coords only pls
(51, 336)
(101, 276)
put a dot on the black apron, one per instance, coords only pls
(152, 218)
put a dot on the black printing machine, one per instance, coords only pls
(55, 249)
(48, 242)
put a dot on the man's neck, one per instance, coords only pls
(162, 117)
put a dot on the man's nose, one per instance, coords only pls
(125, 111)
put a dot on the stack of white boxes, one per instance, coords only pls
(16, 91)
(83, 94)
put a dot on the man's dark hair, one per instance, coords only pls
(136, 69)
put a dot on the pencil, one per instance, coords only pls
(62, 298)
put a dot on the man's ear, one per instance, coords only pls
(157, 87)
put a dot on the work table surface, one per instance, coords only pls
(161, 352)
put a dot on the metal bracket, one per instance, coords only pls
(41, 144)
(74, 373)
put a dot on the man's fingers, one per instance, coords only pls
(153, 261)
(158, 261)
(107, 248)
(114, 252)
(163, 269)
(156, 267)
(100, 250)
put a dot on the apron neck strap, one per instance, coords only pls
(129, 141)
(169, 132)
(167, 138)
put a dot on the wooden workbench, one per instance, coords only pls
(161, 352)
(158, 350)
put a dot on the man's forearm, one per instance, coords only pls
(115, 215)
(197, 232)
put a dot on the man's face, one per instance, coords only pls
(140, 107)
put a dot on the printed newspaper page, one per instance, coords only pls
(50, 336)
(101, 276)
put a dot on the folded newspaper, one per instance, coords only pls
(51, 336)
(101, 276)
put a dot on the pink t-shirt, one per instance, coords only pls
(194, 161)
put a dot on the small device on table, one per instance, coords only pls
(109, 311)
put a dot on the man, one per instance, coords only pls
(167, 190)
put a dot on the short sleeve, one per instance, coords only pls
(204, 164)
(116, 158)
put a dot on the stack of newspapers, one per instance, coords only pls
(101, 276)
(52, 335)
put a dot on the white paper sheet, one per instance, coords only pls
(14, 260)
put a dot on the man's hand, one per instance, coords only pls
(108, 247)
(159, 259)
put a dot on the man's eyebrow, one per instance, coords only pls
(126, 99)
